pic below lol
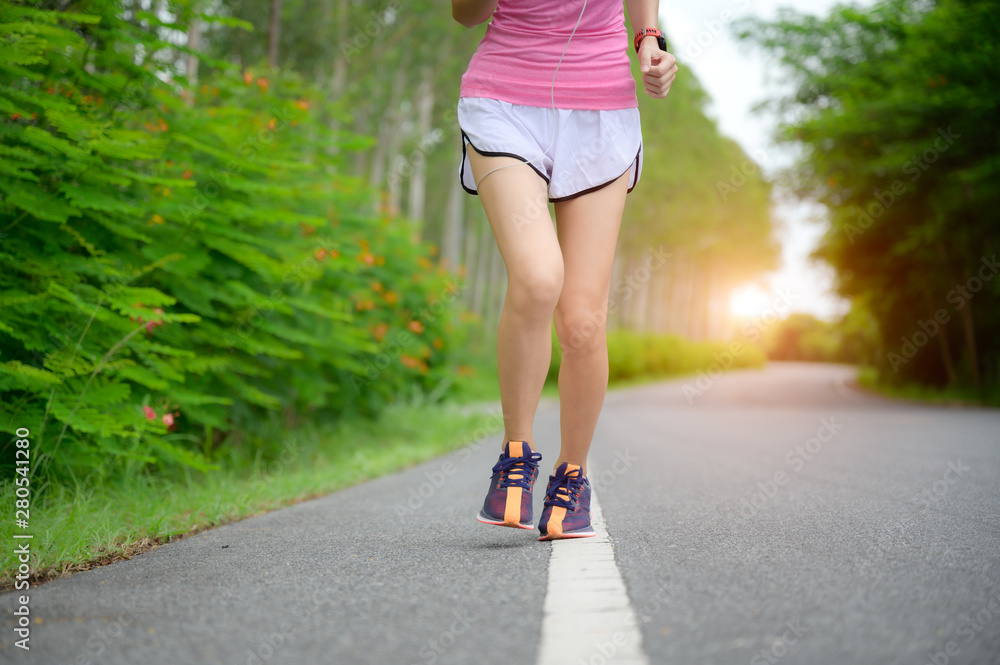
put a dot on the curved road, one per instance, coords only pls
(771, 516)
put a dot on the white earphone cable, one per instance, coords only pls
(553, 139)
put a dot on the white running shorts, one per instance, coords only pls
(590, 149)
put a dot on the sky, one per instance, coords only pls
(737, 77)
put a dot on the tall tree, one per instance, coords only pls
(895, 108)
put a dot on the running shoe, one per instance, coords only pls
(567, 505)
(508, 502)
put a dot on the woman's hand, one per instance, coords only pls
(658, 68)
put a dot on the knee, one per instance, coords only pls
(581, 327)
(535, 291)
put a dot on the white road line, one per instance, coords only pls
(588, 619)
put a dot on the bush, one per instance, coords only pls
(177, 263)
(634, 355)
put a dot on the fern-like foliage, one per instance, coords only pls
(178, 260)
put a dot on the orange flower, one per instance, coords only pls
(320, 254)
(377, 287)
(438, 343)
(248, 77)
(424, 262)
(390, 297)
(410, 361)
(155, 219)
(379, 331)
(262, 83)
(334, 253)
(272, 124)
(366, 257)
(306, 229)
(163, 125)
(187, 174)
(415, 326)
(303, 104)
(380, 260)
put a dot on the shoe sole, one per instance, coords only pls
(486, 519)
(580, 533)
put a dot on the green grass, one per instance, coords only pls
(868, 378)
(75, 527)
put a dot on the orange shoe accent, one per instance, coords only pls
(554, 527)
(512, 509)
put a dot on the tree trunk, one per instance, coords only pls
(338, 75)
(418, 176)
(642, 298)
(970, 341)
(481, 272)
(942, 338)
(387, 145)
(467, 261)
(191, 60)
(452, 236)
(274, 34)
(495, 285)
(340, 59)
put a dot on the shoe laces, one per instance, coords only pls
(563, 491)
(517, 471)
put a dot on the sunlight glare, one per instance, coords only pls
(748, 301)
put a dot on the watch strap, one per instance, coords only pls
(645, 32)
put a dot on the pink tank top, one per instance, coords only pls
(516, 58)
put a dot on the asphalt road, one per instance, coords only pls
(772, 516)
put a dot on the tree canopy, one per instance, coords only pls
(896, 111)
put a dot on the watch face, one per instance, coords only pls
(662, 41)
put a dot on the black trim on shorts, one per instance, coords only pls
(597, 187)
(465, 137)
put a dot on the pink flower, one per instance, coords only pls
(152, 324)
(168, 420)
(150, 414)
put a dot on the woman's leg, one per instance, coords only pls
(516, 202)
(588, 233)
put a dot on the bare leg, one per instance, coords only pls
(515, 201)
(588, 233)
